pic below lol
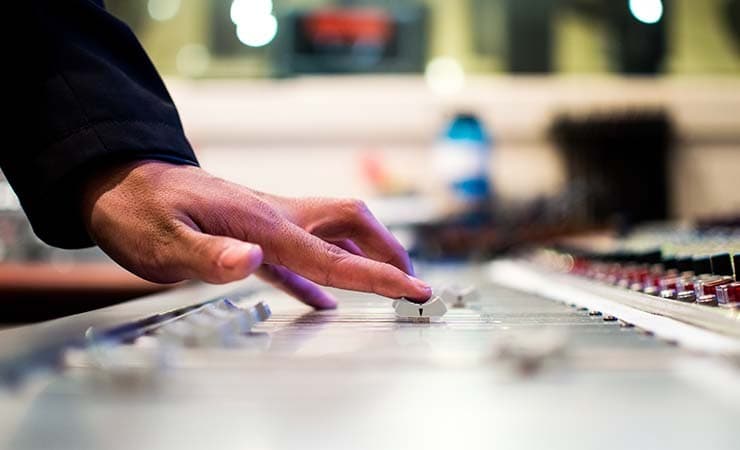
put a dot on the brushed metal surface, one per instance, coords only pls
(514, 370)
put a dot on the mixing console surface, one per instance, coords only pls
(511, 369)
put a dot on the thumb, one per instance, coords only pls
(217, 259)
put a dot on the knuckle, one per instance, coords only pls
(335, 254)
(335, 259)
(354, 207)
(270, 240)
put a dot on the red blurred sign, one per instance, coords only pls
(370, 26)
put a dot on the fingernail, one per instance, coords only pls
(421, 286)
(232, 256)
(327, 301)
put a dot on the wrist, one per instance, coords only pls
(133, 176)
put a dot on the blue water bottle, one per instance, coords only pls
(462, 163)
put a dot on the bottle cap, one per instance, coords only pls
(466, 126)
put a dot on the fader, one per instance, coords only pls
(430, 311)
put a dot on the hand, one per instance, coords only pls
(168, 223)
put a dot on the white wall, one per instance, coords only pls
(305, 136)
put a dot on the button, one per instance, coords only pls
(226, 304)
(232, 321)
(244, 318)
(651, 290)
(686, 296)
(707, 300)
(262, 312)
(729, 294)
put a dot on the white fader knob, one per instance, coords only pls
(430, 311)
(458, 296)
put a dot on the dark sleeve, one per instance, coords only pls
(88, 97)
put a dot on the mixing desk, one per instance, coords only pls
(243, 366)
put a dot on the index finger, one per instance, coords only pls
(352, 219)
(329, 265)
(378, 242)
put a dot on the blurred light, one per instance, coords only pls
(255, 24)
(8, 200)
(244, 9)
(162, 10)
(445, 76)
(257, 31)
(646, 11)
(193, 60)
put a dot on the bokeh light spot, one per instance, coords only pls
(646, 11)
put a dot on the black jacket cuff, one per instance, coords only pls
(53, 206)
